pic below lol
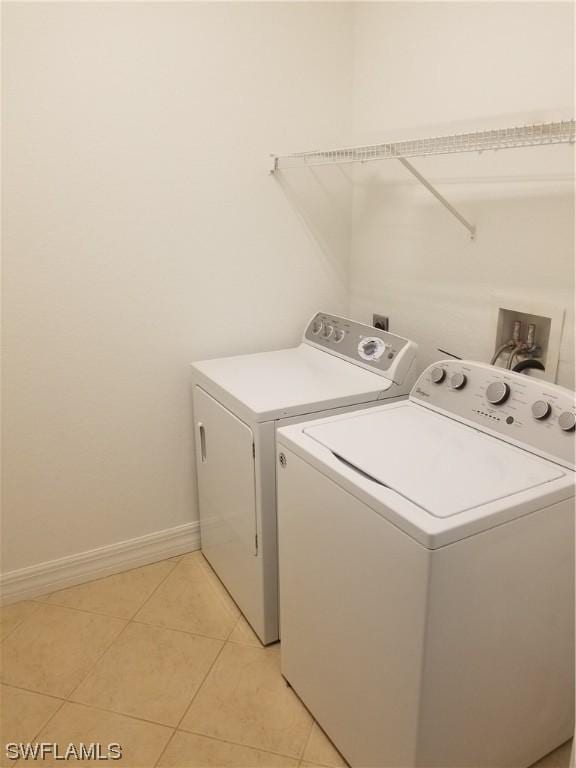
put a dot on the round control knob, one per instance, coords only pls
(541, 410)
(437, 375)
(458, 380)
(327, 332)
(371, 348)
(338, 335)
(567, 421)
(497, 392)
(317, 326)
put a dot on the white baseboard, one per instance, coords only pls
(95, 563)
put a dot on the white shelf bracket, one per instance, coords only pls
(536, 135)
(409, 167)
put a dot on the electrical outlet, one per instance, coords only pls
(381, 322)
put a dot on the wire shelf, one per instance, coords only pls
(479, 141)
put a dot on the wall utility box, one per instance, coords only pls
(548, 320)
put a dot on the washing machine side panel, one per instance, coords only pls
(225, 468)
(498, 680)
(352, 605)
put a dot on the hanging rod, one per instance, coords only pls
(539, 134)
(478, 141)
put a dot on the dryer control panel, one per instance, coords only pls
(522, 410)
(379, 351)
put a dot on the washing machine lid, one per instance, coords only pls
(442, 466)
(290, 382)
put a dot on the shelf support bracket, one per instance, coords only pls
(409, 167)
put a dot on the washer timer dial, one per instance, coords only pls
(371, 348)
(497, 392)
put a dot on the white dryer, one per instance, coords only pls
(238, 404)
(426, 553)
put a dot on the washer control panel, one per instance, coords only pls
(379, 351)
(523, 410)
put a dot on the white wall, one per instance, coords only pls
(430, 68)
(142, 231)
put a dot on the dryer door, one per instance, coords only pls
(226, 493)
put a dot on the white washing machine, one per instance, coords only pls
(427, 571)
(238, 404)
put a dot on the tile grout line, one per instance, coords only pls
(129, 621)
(93, 666)
(19, 624)
(175, 629)
(246, 746)
(63, 701)
(33, 690)
(99, 708)
(175, 560)
(67, 699)
(196, 692)
(91, 613)
(168, 742)
(201, 684)
(204, 566)
(297, 758)
(84, 610)
(134, 621)
(103, 654)
(307, 741)
(44, 600)
(35, 735)
(156, 588)
(52, 716)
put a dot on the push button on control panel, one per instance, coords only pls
(497, 392)
(541, 409)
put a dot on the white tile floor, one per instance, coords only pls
(160, 660)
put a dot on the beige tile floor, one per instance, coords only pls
(160, 660)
